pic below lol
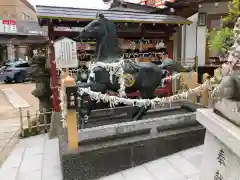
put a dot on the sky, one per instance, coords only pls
(91, 4)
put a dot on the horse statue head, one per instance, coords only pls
(104, 31)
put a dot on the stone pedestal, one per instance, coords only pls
(221, 160)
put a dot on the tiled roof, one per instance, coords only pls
(118, 16)
(126, 9)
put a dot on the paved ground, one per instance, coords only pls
(15, 98)
(38, 158)
(184, 165)
(7, 110)
(11, 97)
(27, 160)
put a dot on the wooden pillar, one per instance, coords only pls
(169, 48)
(54, 76)
(204, 94)
(196, 63)
(16, 47)
(190, 81)
(71, 89)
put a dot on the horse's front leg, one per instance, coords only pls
(141, 111)
(91, 103)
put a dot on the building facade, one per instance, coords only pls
(191, 40)
(195, 35)
(17, 9)
(19, 29)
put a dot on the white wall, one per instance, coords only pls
(190, 46)
(196, 46)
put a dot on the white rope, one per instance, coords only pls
(117, 69)
(114, 100)
(113, 69)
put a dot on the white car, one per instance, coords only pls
(14, 71)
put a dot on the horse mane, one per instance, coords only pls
(108, 45)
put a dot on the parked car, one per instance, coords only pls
(14, 71)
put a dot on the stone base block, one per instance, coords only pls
(221, 160)
(97, 159)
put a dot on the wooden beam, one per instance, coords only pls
(145, 34)
(66, 34)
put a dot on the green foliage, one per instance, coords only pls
(220, 40)
(233, 12)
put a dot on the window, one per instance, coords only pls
(215, 23)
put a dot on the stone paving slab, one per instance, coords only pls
(9, 130)
(37, 158)
(30, 155)
(173, 167)
(14, 98)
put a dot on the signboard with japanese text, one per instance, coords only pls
(8, 26)
(72, 97)
(66, 53)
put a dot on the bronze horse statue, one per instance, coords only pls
(148, 76)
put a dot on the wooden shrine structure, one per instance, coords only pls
(130, 25)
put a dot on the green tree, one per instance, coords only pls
(220, 40)
(1, 53)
